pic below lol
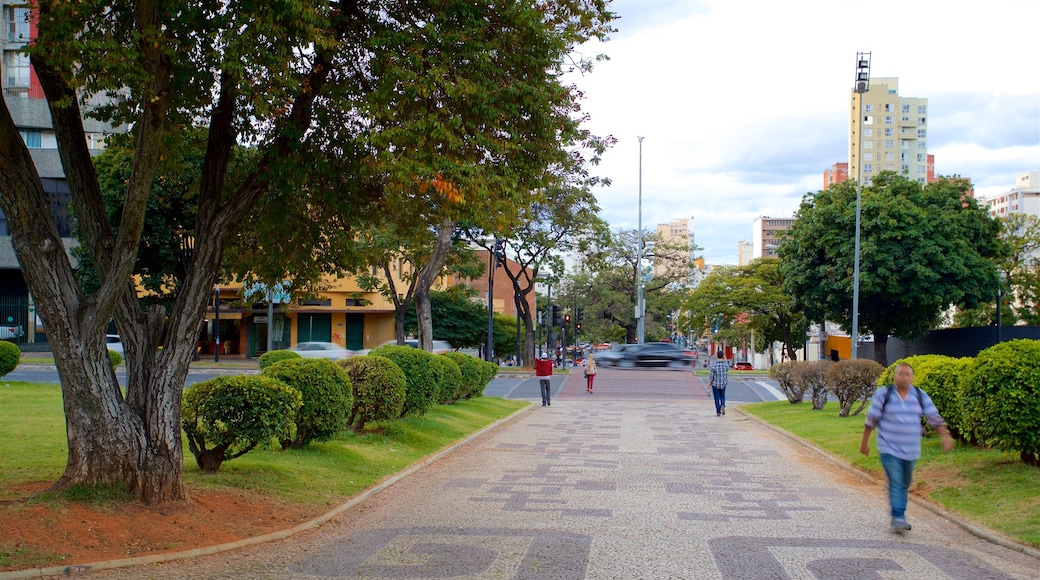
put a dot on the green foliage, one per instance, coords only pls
(10, 356)
(811, 376)
(226, 417)
(327, 398)
(474, 374)
(939, 376)
(924, 249)
(421, 391)
(115, 358)
(505, 335)
(851, 381)
(379, 389)
(449, 388)
(456, 318)
(794, 390)
(269, 358)
(1001, 398)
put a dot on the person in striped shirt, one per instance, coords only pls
(719, 379)
(896, 414)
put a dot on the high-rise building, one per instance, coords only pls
(676, 232)
(766, 235)
(894, 133)
(745, 252)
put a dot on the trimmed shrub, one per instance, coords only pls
(327, 398)
(915, 362)
(1000, 398)
(10, 356)
(379, 389)
(781, 373)
(269, 358)
(942, 381)
(473, 373)
(115, 358)
(226, 417)
(851, 381)
(450, 387)
(811, 376)
(421, 391)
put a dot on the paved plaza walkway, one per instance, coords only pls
(639, 480)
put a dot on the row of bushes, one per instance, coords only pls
(992, 399)
(297, 400)
(10, 356)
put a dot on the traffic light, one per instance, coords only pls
(557, 318)
(581, 314)
(567, 318)
(579, 327)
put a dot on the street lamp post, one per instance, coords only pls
(862, 86)
(640, 309)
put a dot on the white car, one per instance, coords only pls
(439, 346)
(113, 342)
(329, 350)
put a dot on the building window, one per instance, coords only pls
(888, 119)
(888, 131)
(921, 157)
(906, 108)
(921, 169)
(890, 166)
(920, 180)
(868, 108)
(889, 156)
(32, 137)
(889, 144)
(905, 118)
(868, 144)
(905, 168)
(904, 157)
(920, 133)
(921, 146)
(888, 107)
(868, 157)
(904, 144)
(920, 109)
(921, 120)
(868, 167)
(16, 65)
(868, 120)
(17, 19)
(868, 132)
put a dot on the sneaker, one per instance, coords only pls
(900, 525)
(724, 410)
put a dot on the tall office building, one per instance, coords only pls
(676, 232)
(894, 132)
(766, 235)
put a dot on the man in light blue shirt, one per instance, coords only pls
(896, 413)
(719, 379)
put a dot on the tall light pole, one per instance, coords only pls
(862, 86)
(640, 309)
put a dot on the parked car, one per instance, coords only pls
(650, 354)
(329, 350)
(113, 342)
(743, 366)
(7, 332)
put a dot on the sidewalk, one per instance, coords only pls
(593, 487)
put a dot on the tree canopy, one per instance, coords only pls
(923, 248)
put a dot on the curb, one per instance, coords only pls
(972, 528)
(308, 525)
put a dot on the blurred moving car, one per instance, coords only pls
(113, 342)
(439, 346)
(650, 354)
(743, 366)
(329, 350)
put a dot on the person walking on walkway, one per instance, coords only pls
(543, 369)
(719, 378)
(590, 372)
(896, 412)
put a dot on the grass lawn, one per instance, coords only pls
(32, 428)
(990, 487)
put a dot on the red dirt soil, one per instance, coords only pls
(77, 534)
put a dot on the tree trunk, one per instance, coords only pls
(881, 348)
(424, 281)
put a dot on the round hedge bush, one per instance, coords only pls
(450, 387)
(1000, 398)
(10, 356)
(421, 381)
(379, 389)
(851, 381)
(474, 374)
(269, 358)
(226, 417)
(115, 358)
(916, 362)
(327, 398)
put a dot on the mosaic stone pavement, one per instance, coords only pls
(612, 488)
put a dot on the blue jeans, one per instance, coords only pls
(899, 472)
(546, 386)
(720, 398)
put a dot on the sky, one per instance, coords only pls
(743, 104)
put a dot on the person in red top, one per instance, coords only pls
(543, 369)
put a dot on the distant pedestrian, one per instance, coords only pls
(543, 369)
(718, 377)
(590, 372)
(896, 412)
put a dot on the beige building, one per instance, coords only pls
(745, 252)
(766, 235)
(1024, 197)
(678, 232)
(894, 132)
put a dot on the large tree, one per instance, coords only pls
(923, 248)
(313, 87)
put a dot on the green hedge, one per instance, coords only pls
(473, 373)
(10, 356)
(379, 389)
(327, 398)
(421, 381)
(1000, 398)
(269, 358)
(449, 389)
(226, 417)
(940, 376)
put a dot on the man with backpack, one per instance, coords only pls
(896, 413)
